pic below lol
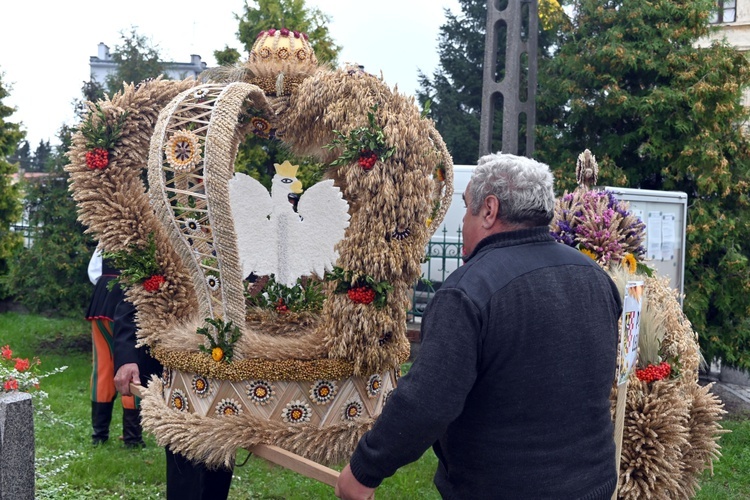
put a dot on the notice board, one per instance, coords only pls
(665, 215)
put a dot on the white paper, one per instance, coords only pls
(653, 230)
(630, 330)
(667, 236)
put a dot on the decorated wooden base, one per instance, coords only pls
(320, 403)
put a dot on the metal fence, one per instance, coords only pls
(442, 256)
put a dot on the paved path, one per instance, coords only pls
(741, 391)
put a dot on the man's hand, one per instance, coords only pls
(348, 488)
(126, 374)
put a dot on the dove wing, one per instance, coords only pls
(256, 236)
(324, 219)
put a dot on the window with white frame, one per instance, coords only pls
(726, 12)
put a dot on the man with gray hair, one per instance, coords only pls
(511, 385)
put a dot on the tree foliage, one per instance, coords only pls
(256, 156)
(91, 91)
(10, 202)
(51, 274)
(42, 156)
(137, 59)
(630, 84)
(22, 156)
(227, 56)
(455, 89)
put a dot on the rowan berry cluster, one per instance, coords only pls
(97, 158)
(367, 159)
(654, 372)
(153, 283)
(361, 294)
(281, 308)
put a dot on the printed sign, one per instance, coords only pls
(630, 330)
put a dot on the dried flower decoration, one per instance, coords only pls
(260, 127)
(361, 289)
(366, 145)
(352, 409)
(137, 265)
(599, 223)
(374, 385)
(228, 406)
(178, 401)
(100, 136)
(296, 412)
(222, 342)
(306, 295)
(322, 392)
(260, 392)
(183, 150)
(201, 385)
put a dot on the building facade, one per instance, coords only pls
(732, 18)
(102, 65)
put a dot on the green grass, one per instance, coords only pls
(70, 468)
(731, 475)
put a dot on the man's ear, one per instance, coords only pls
(490, 211)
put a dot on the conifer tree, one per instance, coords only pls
(22, 156)
(10, 203)
(630, 83)
(455, 88)
(51, 275)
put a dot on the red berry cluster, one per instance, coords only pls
(361, 294)
(367, 159)
(654, 372)
(153, 283)
(281, 308)
(97, 158)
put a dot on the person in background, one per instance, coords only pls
(100, 313)
(518, 355)
(186, 480)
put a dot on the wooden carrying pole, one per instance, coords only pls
(622, 398)
(282, 457)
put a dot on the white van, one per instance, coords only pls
(444, 249)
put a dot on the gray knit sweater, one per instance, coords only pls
(511, 385)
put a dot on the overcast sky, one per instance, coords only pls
(45, 45)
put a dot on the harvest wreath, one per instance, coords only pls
(672, 424)
(274, 326)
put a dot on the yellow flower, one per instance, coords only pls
(629, 263)
(548, 11)
(217, 353)
(586, 251)
(429, 222)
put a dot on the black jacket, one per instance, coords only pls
(513, 378)
(124, 343)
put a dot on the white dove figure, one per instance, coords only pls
(274, 239)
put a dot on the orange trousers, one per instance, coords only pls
(103, 366)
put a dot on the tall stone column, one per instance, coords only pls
(16, 446)
(510, 86)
